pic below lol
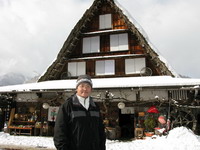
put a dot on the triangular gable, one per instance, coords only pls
(54, 71)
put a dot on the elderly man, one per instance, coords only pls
(79, 125)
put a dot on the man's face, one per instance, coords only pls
(84, 89)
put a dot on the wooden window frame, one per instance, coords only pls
(91, 44)
(105, 21)
(76, 68)
(119, 42)
(134, 65)
(105, 67)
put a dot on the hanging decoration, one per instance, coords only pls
(162, 119)
(45, 105)
(153, 109)
(52, 113)
(121, 105)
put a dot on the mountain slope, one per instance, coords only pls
(12, 79)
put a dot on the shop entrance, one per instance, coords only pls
(126, 123)
(198, 124)
(2, 119)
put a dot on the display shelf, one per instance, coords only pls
(20, 130)
(29, 122)
(18, 126)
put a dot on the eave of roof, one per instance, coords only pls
(104, 83)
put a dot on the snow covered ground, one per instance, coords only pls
(178, 139)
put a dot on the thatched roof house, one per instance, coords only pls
(88, 26)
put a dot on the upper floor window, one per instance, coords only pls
(76, 68)
(105, 21)
(105, 67)
(119, 42)
(91, 44)
(134, 65)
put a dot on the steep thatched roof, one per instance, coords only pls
(76, 33)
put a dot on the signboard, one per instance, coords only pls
(52, 113)
(128, 110)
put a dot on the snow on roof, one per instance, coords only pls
(105, 31)
(142, 31)
(102, 83)
(47, 67)
(136, 24)
(107, 56)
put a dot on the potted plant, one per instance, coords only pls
(150, 123)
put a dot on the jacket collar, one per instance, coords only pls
(75, 101)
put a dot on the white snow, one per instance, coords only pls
(124, 82)
(179, 138)
(104, 31)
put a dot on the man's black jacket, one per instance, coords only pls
(77, 128)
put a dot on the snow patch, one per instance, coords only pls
(179, 138)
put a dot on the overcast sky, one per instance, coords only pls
(32, 32)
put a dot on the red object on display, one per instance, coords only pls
(153, 109)
(162, 119)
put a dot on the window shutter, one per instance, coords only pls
(105, 67)
(81, 68)
(72, 68)
(119, 42)
(100, 67)
(105, 21)
(95, 44)
(76, 68)
(129, 66)
(109, 67)
(114, 42)
(86, 45)
(139, 64)
(91, 44)
(101, 22)
(123, 41)
(108, 22)
(134, 65)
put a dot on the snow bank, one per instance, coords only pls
(182, 133)
(179, 138)
(184, 138)
(25, 141)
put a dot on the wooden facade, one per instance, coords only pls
(105, 35)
